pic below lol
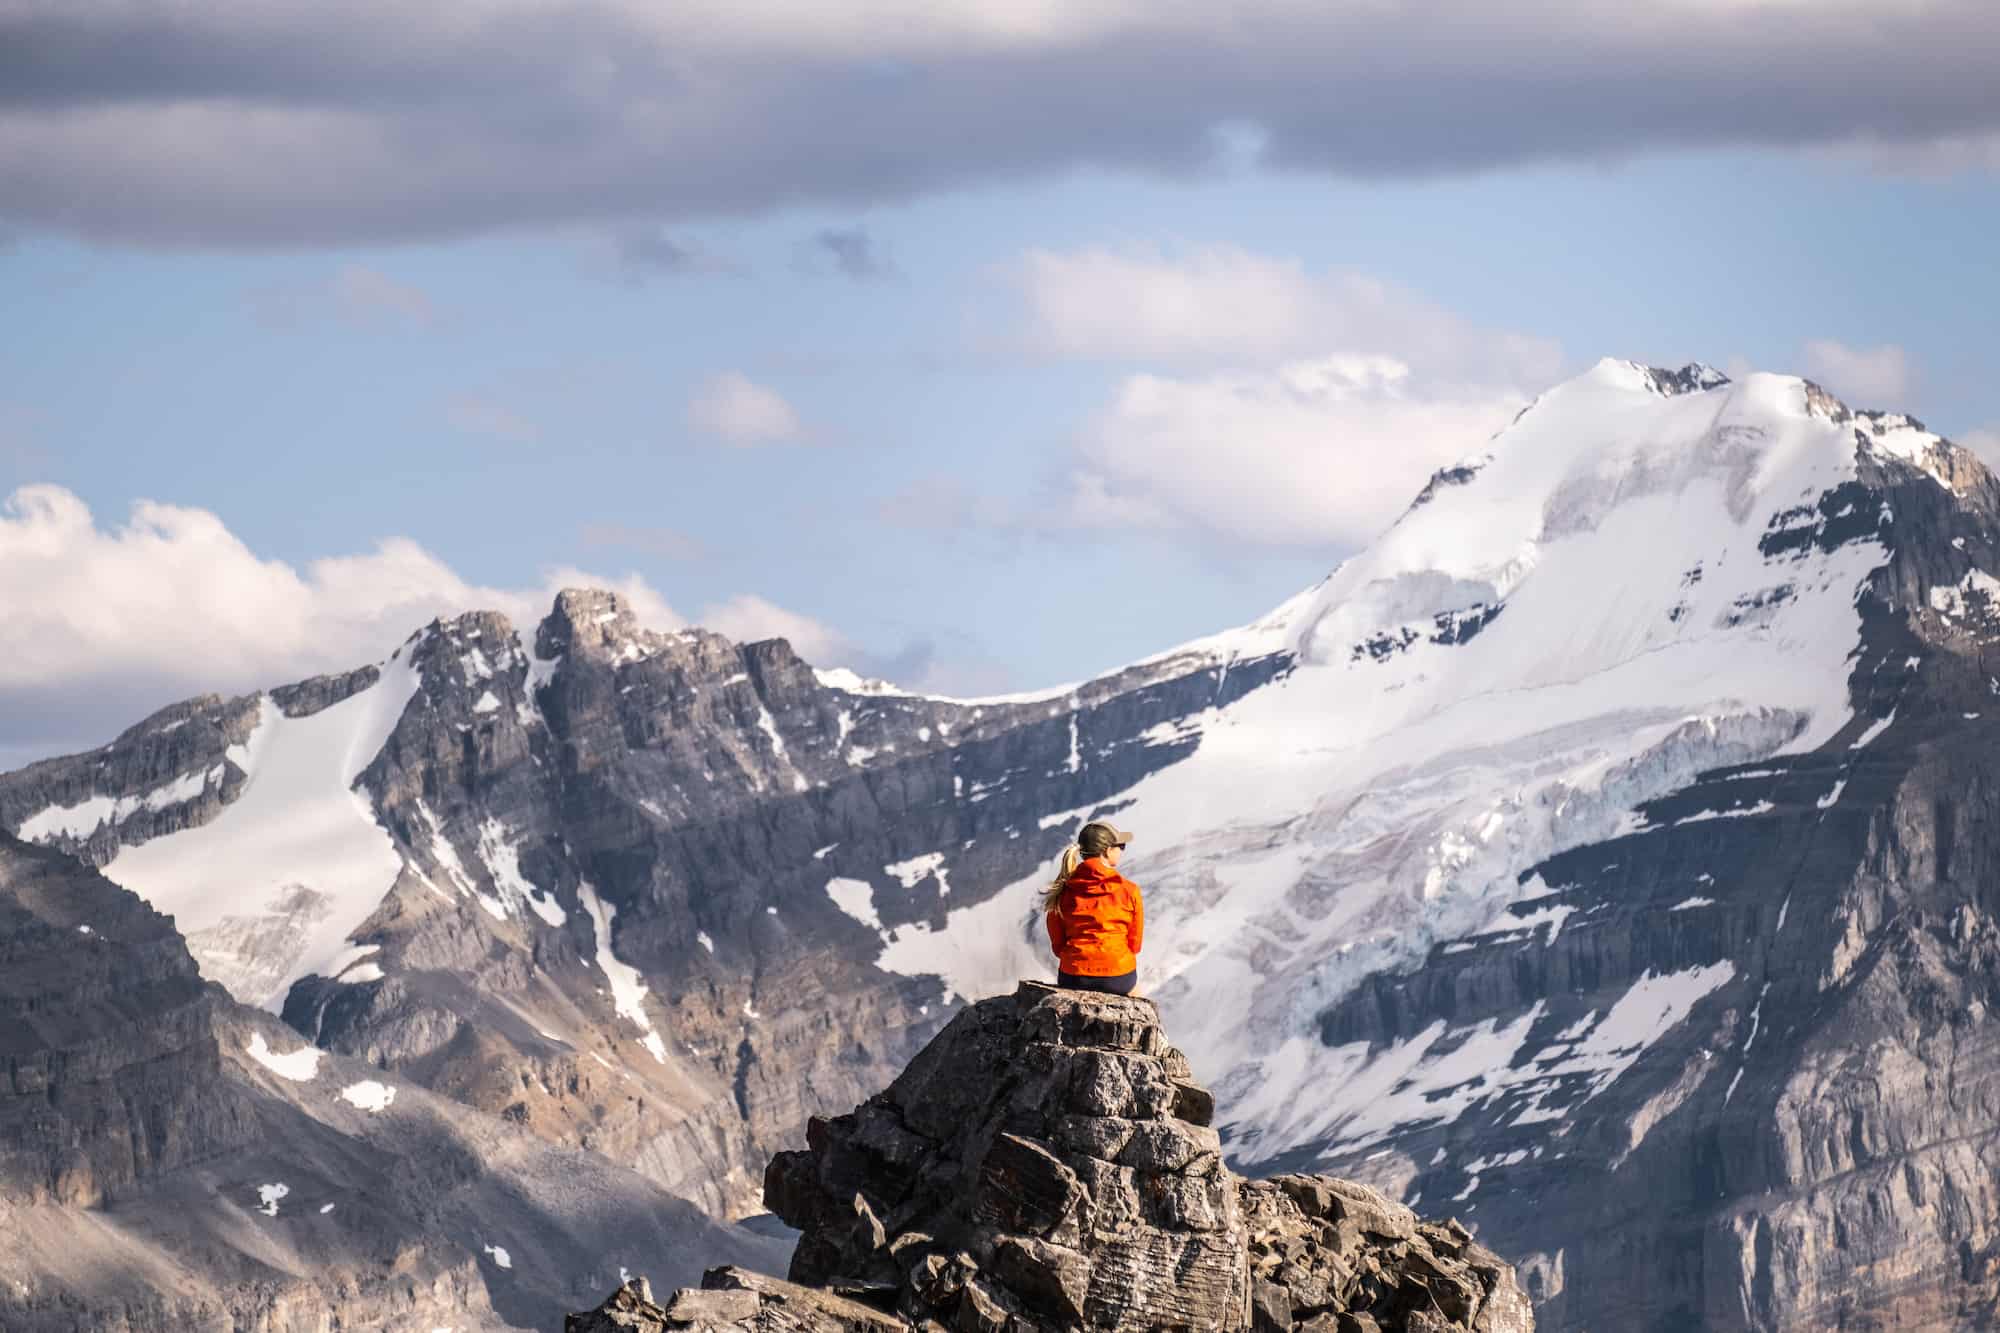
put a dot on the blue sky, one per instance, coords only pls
(1048, 417)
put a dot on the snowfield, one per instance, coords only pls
(1626, 633)
(300, 850)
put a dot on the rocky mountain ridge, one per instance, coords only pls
(1597, 855)
(557, 815)
(170, 1160)
(1047, 1163)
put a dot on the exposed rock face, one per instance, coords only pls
(172, 1161)
(1048, 1163)
(594, 796)
(107, 1044)
(172, 771)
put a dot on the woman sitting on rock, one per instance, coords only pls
(1096, 917)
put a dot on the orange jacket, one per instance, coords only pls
(1099, 922)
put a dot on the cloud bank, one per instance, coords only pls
(290, 122)
(1278, 407)
(106, 623)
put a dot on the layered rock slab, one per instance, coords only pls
(1047, 1162)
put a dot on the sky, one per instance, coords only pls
(976, 347)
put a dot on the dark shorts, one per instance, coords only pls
(1108, 985)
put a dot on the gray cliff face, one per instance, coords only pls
(702, 792)
(106, 1034)
(172, 1161)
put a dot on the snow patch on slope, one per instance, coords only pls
(1595, 625)
(233, 885)
(856, 898)
(369, 1095)
(628, 991)
(87, 816)
(916, 869)
(1440, 1074)
(1978, 591)
(503, 862)
(299, 1066)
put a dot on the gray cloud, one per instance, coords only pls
(852, 251)
(639, 253)
(285, 123)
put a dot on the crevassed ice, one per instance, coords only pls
(1366, 807)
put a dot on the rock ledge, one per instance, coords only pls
(1047, 1163)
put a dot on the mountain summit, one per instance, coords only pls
(1598, 855)
(1047, 1164)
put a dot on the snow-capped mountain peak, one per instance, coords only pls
(1492, 835)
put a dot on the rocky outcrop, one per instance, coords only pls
(1812, 1146)
(589, 795)
(732, 1300)
(108, 1059)
(170, 1160)
(177, 769)
(703, 793)
(1047, 1163)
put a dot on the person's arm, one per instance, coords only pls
(1135, 935)
(1058, 933)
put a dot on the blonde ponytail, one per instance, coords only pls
(1066, 864)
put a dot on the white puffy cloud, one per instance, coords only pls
(1223, 305)
(1280, 407)
(1871, 377)
(748, 617)
(733, 407)
(105, 623)
(1319, 453)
